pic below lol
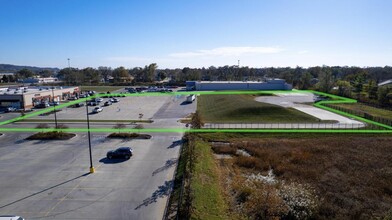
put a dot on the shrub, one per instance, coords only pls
(62, 126)
(52, 135)
(224, 150)
(42, 126)
(247, 162)
(300, 200)
(139, 126)
(119, 126)
(197, 121)
(129, 136)
(264, 202)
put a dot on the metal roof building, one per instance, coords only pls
(270, 84)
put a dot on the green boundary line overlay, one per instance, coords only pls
(336, 99)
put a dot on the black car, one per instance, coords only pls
(122, 152)
(107, 103)
(78, 105)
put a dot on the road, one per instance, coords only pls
(50, 179)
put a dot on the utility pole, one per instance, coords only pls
(54, 108)
(238, 63)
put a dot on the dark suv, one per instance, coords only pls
(122, 152)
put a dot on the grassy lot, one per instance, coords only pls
(377, 112)
(243, 108)
(101, 88)
(317, 176)
(208, 200)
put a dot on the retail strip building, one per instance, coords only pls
(28, 97)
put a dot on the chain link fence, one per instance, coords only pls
(320, 126)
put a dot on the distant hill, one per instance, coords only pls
(9, 68)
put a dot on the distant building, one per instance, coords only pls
(387, 82)
(39, 80)
(270, 84)
(28, 97)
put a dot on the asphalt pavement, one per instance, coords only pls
(51, 179)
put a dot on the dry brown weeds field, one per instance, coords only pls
(342, 177)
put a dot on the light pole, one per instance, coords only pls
(92, 170)
(54, 108)
(69, 71)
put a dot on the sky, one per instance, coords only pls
(196, 33)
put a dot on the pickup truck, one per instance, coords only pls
(190, 98)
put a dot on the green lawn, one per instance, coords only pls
(377, 112)
(243, 108)
(208, 200)
(101, 88)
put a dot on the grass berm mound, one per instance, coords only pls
(52, 135)
(129, 136)
(244, 109)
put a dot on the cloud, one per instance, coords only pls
(303, 52)
(228, 51)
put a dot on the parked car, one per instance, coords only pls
(55, 103)
(122, 152)
(72, 98)
(115, 100)
(42, 105)
(77, 105)
(7, 109)
(97, 109)
(84, 95)
(10, 217)
(99, 100)
(91, 92)
(92, 103)
(107, 103)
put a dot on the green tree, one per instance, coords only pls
(24, 73)
(383, 98)
(344, 88)
(326, 80)
(105, 72)
(150, 72)
(121, 74)
(305, 81)
(45, 73)
(90, 75)
(359, 80)
(4, 79)
(161, 75)
(372, 89)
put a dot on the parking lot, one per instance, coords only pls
(128, 108)
(50, 179)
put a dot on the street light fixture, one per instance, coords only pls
(92, 170)
(54, 108)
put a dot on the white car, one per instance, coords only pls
(99, 100)
(10, 217)
(97, 109)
